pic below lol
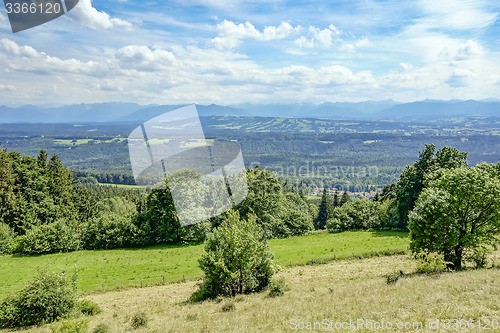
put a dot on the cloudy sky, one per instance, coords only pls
(254, 51)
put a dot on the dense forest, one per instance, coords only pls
(44, 209)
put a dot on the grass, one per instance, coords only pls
(123, 268)
(339, 291)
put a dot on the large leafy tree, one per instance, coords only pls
(411, 181)
(459, 210)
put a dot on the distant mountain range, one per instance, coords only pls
(131, 112)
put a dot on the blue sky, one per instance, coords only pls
(239, 51)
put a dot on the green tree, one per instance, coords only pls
(325, 211)
(7, 187)
(336, 201)
(458, 211)
(345, 198)
(411, 181)
(236, 260)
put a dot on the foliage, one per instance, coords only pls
(430, 262)
(279, 210)
(6, 237)
(236, 259)
(478, 256)
(458, 211)
(47, 298)
(228, 307)
(48, 238)
(411, 181)
(278, 287)
(394, 277)
(357, 215)
(325, 211)
(101, 328)
(88, 308)
(109, 232)
(73, 326)
(139, 320)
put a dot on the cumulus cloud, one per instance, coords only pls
(231, 34)
(144, 58)
(319, 37)
(27, 59)
(90, 17)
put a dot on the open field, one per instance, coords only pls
(339, 291)
(114, 269)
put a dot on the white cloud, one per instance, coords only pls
(457, 14)
(319, 37)
(90, 17)
(143, 58)
(231, 34)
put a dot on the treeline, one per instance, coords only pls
(102, 177)
(389, 210)
(43, 209)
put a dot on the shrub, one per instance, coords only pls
(139, 320)
(277, 287)
(101, 328)
(479, 256)
(48, 238)
(236, 260)
(228, 307)
(6, 236)
(47, 298)
(75, 326)
(430, 263)
(88, 308)
(394, 277)
(109, 232)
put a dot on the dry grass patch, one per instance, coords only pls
(337, 291)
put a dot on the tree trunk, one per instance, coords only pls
(457, 260)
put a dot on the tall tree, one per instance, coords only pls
(459, 210)
(336, 202)
(7, 185)
(325, 211)
(345, 198)
(411, 181)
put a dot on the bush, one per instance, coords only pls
(101, 328)
(6, 236)
(76, 326)
(48, 238)
(277, 287)
(88, 308)
(430, 263)
(236, 260)
(478, 256)
(109, 232)
(228, 307)
(139, 320)
(394, 277)
(47, 298)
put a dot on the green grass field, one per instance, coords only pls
(114, 269)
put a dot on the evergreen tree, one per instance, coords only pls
(376, 197)
(336, 202)
(325, 211)
(345, 198)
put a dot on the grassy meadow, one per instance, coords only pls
(106, 270)
(338, 291)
